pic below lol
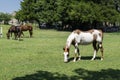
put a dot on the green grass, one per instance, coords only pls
(41, 58)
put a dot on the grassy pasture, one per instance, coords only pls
(41, 58)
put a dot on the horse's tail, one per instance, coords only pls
(101, 34)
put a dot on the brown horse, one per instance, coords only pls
(14, 29)
(27, 28)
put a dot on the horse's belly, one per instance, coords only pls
(85, 42)
(86, 38)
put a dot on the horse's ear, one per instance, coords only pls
(68, 49)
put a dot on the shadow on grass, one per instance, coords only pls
(82, 74)
(84, 58)
(90, 57)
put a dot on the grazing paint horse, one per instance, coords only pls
(27, 28)
(13, 29)
(80, 37)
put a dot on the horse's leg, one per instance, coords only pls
(79, 56)
(30, 32)
(101, 49)
(75, 57)
(19, 35)
(95, 50)
(76, 51)
(11, 34)
(22, 33)
(15, 34)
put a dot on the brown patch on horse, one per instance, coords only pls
(73, 42)
(66, 49)
(77, 31)
(94, 37)
(101, 33)
(23, 28)
(90, 31)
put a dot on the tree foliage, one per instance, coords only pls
(67, 11)
(5, 17)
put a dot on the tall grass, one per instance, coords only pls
(41, 58)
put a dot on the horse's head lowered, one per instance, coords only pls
(8, 35)
(66, 54)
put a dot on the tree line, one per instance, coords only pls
(4, 18)
(70, 14)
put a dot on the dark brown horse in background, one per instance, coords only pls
(18, 30)
(14, 29)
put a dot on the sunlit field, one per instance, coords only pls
(41, 58)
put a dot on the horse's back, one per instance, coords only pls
(26, 27)
(13, 28)
(87, 37)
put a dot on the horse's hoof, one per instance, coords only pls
(79, 59)
(92, 59)
(101, 59)
(74, 60)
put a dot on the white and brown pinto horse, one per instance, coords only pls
(84, 38)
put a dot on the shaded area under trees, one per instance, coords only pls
(81, 74)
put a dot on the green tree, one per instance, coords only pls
(72, 12)
(5, 17)
(46, 11)
(27, 12)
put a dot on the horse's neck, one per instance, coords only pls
(70, 39)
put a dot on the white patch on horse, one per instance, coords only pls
(94, 55)
(84, 38)
(65, 57)
(70, 39)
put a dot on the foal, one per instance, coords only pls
(84, 38)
